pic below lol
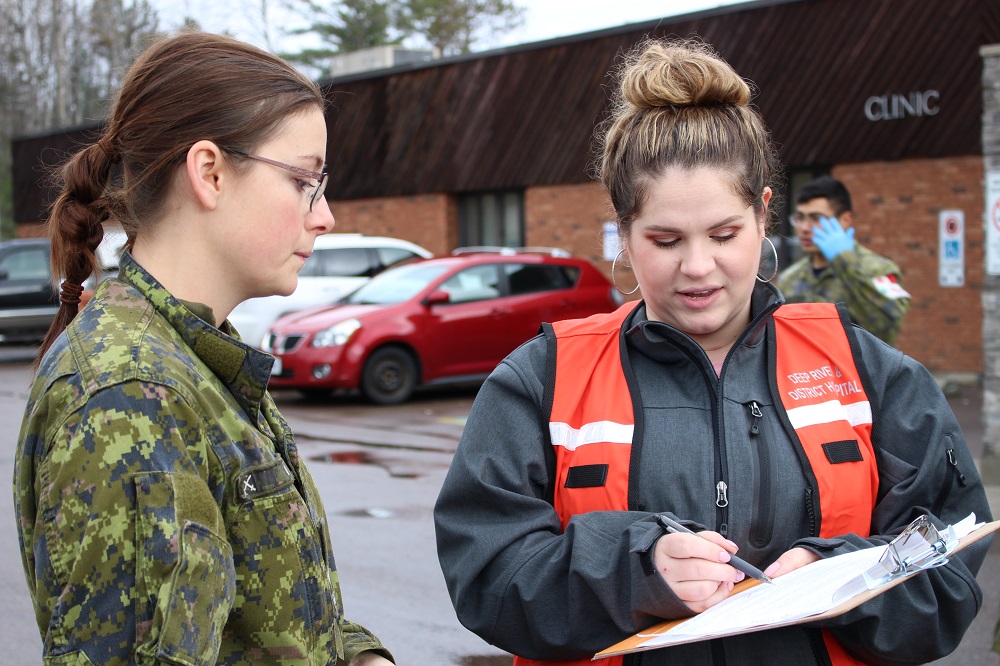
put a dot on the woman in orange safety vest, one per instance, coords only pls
(780, 432)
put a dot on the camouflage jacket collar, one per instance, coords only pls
(244, 370)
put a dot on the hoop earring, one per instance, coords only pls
(615, 282)
(774, 251)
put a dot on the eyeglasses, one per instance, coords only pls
(813, 219)
(319, 177)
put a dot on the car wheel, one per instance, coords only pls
(389, 377)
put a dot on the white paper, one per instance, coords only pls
(796, 595)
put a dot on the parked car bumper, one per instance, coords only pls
(26, 324)
(316, 368)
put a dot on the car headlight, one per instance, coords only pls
(336, 335)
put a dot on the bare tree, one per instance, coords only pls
(60, 61)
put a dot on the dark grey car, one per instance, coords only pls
(28, 299)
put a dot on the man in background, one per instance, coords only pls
(835, 268)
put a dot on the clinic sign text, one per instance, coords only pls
(896, 106)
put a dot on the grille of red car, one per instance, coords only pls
(283, 345)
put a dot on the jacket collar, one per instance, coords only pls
(244, 370)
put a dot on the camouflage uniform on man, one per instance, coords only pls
(221, 552)
(835, 269)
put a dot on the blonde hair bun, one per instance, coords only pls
(680, 73)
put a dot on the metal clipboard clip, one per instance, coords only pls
(919, 547)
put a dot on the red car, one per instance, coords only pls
(449, 319)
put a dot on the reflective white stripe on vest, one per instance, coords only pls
(592, 433)
(858, 413)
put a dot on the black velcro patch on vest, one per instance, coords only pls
(587, 476)
(842, 452)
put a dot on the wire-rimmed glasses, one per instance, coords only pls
(812, 219)
(319, 176)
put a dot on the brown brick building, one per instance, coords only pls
(495, 148)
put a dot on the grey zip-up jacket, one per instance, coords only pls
(521, 583)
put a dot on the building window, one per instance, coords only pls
(784, 239)
(492, 219)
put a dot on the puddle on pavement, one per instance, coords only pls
(491, 660)
(362, 458)
(368, 513)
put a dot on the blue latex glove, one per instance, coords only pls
(831, 239)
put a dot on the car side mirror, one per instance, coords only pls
(439, 297)
(4, 274)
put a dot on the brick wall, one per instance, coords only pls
(896, 207)
(569, 217)
(428, 220)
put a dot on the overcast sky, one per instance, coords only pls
(544, 19)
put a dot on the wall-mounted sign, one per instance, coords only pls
(951, 248)
(894, 107)
(993, 223)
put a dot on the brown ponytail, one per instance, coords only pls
(75, 230)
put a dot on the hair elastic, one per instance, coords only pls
(69, 293)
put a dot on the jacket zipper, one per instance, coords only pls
(755, 415)
(951, 461)
(810, 512)
(954, 463)
(818, 646)
(763, 524)
(721, 487)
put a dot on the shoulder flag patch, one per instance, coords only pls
(888, 287)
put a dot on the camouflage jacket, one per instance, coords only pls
(867, 283)
(165, 515)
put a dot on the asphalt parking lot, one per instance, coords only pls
(380, 469)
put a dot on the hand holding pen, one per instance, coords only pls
(700, 571)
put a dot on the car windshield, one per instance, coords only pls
(395, 285)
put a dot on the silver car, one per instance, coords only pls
(28, 298)
(339, 264)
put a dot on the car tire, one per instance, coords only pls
(390, 376)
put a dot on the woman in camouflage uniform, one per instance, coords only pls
(164, 511)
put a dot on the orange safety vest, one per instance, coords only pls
(592, 421)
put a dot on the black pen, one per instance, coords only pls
(735, 562)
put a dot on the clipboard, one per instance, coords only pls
(636, 642)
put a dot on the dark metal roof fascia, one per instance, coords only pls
(325, 82)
